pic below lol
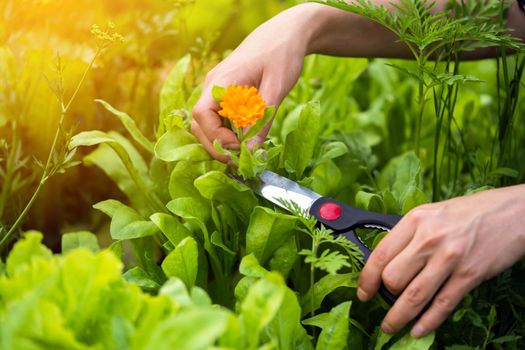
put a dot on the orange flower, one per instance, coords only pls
(242, 105)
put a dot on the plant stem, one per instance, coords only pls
(421, 104)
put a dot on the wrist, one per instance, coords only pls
(308, 24)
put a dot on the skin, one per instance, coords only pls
(441, 250)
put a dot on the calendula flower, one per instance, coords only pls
(242, 105)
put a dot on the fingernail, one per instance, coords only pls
(418, 331)
(362, 295)
(386, 328)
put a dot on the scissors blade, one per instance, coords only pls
(277, 189)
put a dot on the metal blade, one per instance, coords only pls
(276, 189)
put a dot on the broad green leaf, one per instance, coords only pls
(402, 174)
(193, 329)
(286, 329)
(139, 277)
(178, 144)
(267, 231)
(369, 201)
(326, 178)
(110, 163)
(331, 150)
(126, 223)
(184, 175)
(250, 267)
(410, 343)
(172, 229)
(182, 262)
(261, 305)
(413, 198)
(130, 158)
(335, 328)
(300, 143)
(176, 289)
(199, 297)
(217, 186)
(82, 239)
(284, 257)
(312, 300)
(172, 94)
(130, 125)
(190, 208)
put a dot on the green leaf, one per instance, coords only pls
(82, 239)
(300, 143)
(369, 201)
(261, 305)
(334, 327)
(312, 300)
(326, 178)
(267, 231)
(130, 126)
(286, 329)
(190, 208)
(250, 267)
(413, 197)
(139, 277)
(260, 124)
(284, 257)
(195, 329)
(26, 251)
(172, 229)
(216, 240)
(172, 93)
(176, 289)
(178, 144)
(184, 175)
(410, 343)
(382, 339)
(182, 262)
(217, 92)
(219, 187)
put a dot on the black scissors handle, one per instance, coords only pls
(343, 219)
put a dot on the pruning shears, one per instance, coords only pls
(341, 218)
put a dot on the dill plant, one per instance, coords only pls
(437, 41)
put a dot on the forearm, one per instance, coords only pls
(335, 32)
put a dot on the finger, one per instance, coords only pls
(197, 131)
(443, 304)
(382, 255)
(403, 268)
(417, 295)
(210, 123)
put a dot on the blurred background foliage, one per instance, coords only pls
(36, 34)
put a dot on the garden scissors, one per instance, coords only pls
(341, 218)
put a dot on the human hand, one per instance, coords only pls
(442, 251)
(270, 58)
